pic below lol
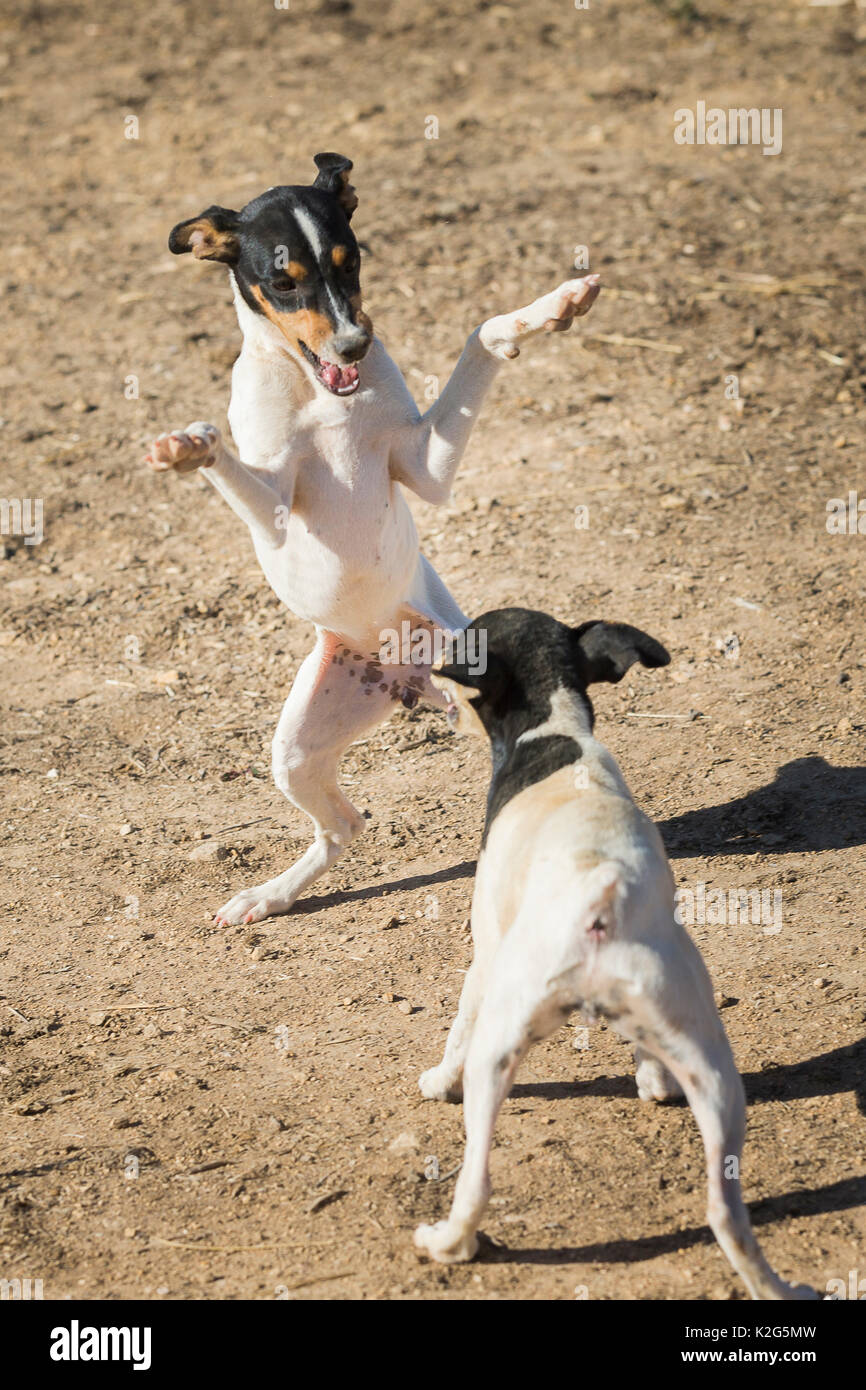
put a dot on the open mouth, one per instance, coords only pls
(452, 709)
(340, 381)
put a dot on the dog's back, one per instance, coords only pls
(574, 907)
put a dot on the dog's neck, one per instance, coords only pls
(526, 752)
(568, 716)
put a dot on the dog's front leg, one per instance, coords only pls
(247, 490)
(445, 1082)
(425, 453)
(500, 1039)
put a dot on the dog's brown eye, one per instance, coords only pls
(283, 284)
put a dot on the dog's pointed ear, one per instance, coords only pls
(212, 236)
(605, 651)
(333, 177)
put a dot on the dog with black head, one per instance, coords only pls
(573, 909)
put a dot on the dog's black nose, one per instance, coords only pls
(352, 344)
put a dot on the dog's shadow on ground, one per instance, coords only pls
(381, 890)
(809, 1201)
(810, 805)
(843, 1069)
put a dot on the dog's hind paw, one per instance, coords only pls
(441, 1244)
(185, 450)
(253, 905)
(437, 1084)
(655, 1082)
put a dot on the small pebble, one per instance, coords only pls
(208, 850)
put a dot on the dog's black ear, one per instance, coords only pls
(333, 177)
(212, 236)
(605, 651)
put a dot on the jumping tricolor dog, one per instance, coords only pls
(329, 437)
(573, 908)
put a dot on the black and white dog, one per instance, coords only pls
(328, 437)
(573, 908)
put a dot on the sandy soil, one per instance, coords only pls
(193, 1113)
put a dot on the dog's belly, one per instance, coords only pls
(347, 564)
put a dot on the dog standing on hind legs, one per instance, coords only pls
(328, 436)
(573, 908)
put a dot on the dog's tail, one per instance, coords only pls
(600, 895)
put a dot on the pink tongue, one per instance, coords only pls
(336, 377)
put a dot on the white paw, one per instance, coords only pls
(571, 300)
(654, 1082)
(253, 905)
(185, 450)
(440, 1243)
(438, 1084)
(552, 313)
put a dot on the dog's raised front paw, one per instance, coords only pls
(443, 1245)
(185, 450)
(552, 313)
(438, 1084)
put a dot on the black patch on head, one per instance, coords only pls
(529, 656)
(269, 238)
(264, 237)
(529, 763)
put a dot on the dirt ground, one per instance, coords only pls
(223, 1114)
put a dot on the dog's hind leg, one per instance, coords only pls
(702, 1062)
(430, 598)
(338, 695)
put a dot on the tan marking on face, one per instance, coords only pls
(296, 270)
(339, 254)
(304, 325)
(461, 696)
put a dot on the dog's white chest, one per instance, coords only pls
(349, 547)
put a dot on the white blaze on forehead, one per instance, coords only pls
(308, 226)
(313, 234)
